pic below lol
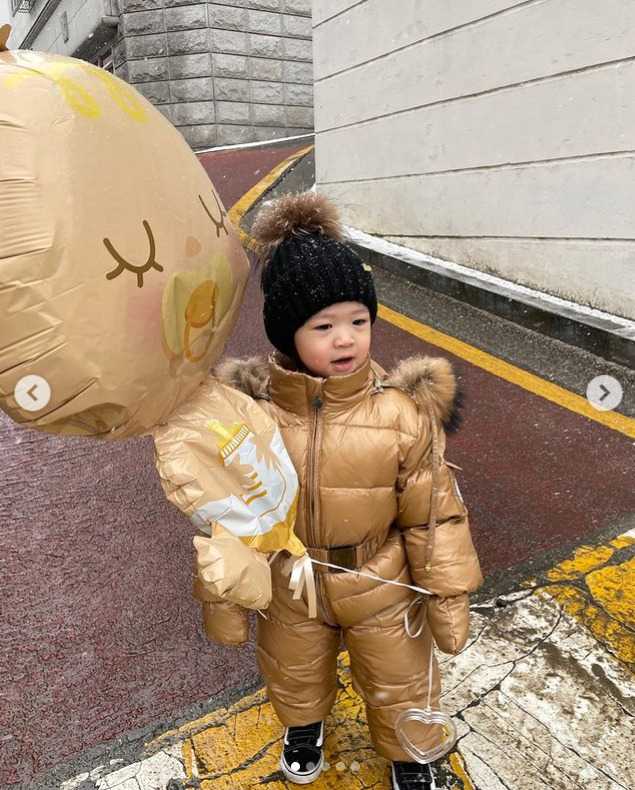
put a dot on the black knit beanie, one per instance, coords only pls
(307, 265)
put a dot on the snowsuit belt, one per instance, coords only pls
(347, 557)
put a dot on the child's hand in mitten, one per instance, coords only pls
(230, 570)
(449, 621)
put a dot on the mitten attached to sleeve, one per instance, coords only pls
(229, 579)
(223, 621)
(449, 622)
(226, 623)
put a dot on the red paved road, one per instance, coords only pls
(235, 171)
(98, 625)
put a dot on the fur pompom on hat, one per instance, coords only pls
(307, 265)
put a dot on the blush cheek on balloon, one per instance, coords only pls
(192, 247)
(143, 314)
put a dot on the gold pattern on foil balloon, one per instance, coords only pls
(121, 275)
(121, 278)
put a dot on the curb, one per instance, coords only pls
(84, 771)
(605, 335)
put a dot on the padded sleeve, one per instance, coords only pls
(453, 568)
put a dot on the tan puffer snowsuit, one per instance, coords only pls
(363, 449)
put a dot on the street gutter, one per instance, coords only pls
(609, 336)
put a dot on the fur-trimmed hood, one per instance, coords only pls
(431, 380)
(427, 380)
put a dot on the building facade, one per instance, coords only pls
(222, 72)
(497, 134)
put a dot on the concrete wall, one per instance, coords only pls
(497, 134)
(229, 71)
(20, 24)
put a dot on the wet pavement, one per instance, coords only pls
(110, 680)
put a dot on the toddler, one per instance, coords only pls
(376, 495)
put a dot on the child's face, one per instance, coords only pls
(336, 340)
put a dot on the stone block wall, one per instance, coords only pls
(227, 71)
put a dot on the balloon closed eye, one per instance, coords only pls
(124, 264)
(218, 224)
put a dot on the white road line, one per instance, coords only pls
(256, 144)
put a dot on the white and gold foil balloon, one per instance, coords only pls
(121, 278)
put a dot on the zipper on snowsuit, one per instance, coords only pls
(322, 607)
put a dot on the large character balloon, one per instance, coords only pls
(120, 279)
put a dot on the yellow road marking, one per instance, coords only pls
(603, 600)
(458, 767)
(504, 370)
(585, 560)
(242, 206)
(233, 748)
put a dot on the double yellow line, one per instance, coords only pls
(504, 370)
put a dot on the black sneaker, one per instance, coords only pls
(412, 776)
(302, 755)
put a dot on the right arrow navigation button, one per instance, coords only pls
(604, 393)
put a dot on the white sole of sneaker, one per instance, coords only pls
(302, 780)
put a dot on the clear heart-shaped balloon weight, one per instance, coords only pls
(427, 716)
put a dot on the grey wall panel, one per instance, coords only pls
(537, 41)
(578, 115)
